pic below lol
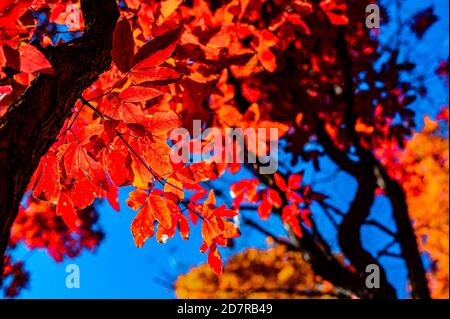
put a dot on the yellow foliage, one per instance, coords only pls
(426, 163)
(254, 273)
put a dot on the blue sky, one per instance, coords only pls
(120, 270)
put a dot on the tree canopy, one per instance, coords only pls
(96, 95)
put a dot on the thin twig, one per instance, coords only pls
(383, 228)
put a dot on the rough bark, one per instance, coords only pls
(349, 228)
(33, 122)
(349, 231)
(406, 236)
(367, 173)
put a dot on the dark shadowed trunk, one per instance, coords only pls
(33, 122)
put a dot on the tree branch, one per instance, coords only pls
(349, 232)
(321, 260)
(338, 156)
(372, 222)
(406, 236)
(369, 178)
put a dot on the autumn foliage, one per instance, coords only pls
(280, 273)
(306, 68)
(256, 273)
(426, 163)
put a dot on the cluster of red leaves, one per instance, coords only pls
(216, 230)
(38, 226)
(290, 199)
(15, 277)
(236, 63)
(173, 62)
(19, 60)
(118, 140)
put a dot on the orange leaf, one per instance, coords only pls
(142, 226)
(77, 160)
(337, 19)
(279, 181)
(142, 176)
(113, 197)
(209, 205)
(83, 192)
(157, 50)
(32, 60)
(158, 158)
(161, 208)
(295, 181)
(175, 187)
(183, 227)
(66, 210)
(169, 6)
(215, 260)
(198, 172)
(209, 231)
(155, 74)
(12, 10)
(118, 165)
(139, 94)
(163, 122)
(265, 208)
(46, 184)
(136, 199)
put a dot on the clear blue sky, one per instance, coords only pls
(120, 270)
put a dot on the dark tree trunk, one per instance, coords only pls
(406, 237)
(33, 122)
